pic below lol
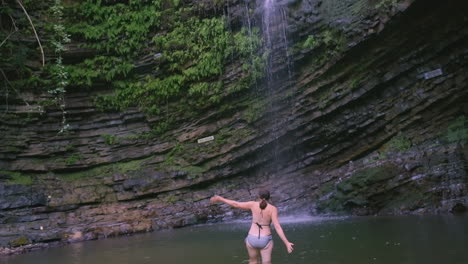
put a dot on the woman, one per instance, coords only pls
(259, 241)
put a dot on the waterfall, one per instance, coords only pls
(275, 39)
(274, 25)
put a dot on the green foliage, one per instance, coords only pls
(73, 159)
(327, 44)
(108, 103)
(457, 131)
(255, 111)
(110, 139)
(311, 42)
(16, 54)
(334, 42)
(20, 59)
(171, 156)
(192, 52)
(114, 27)
(105, 68)
(354, 83)
(398, 143)
(57, 71)
(119, 32)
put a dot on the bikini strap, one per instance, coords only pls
(259, 227)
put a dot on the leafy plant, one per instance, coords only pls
(110, 139)
(73, 159)
(398, 143)
(311, 42)
(191, 54)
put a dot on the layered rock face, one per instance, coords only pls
(366, 115)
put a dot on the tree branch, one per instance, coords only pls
(9, 35)
(12, 32)
(34, 29)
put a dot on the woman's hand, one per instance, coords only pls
(289, 247)
(215, 199)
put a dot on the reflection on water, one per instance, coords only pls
(402, 240)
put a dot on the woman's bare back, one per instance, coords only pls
(262, 218)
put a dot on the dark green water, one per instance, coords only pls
(403, 240)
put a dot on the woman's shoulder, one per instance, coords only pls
(273, 207)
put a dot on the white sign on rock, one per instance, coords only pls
(433, 74)
(206, 139)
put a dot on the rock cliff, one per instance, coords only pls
(363, 112)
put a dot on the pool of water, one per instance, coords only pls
(402, 240)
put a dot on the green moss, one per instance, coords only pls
(356, 81)
(311, 42)
(334, 42)
(457, 130)
(353, 191)
(17, 177)
(327, 44)
(398, 143)
(110, 139)
(176, 160)
(255, 111)
(73, 159)
(176, 151)
(21, 241)
(325, 189)
(105, 170)
(371, 175)
(171, 199)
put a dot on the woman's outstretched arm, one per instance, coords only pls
(279, 230)
(241, 205)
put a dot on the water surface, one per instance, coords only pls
(402, 240)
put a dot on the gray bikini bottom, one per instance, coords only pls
(259, 242)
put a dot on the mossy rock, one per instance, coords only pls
(372, 175)
(344, 187)
(16, 177)
(21, 241)
(353, 192)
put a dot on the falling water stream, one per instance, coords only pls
(379, 240)
(274, 23)
(275, 39)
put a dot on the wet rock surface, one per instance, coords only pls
(320, 142)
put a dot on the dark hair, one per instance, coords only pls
(264, 195)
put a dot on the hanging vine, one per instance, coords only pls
(59, 74)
